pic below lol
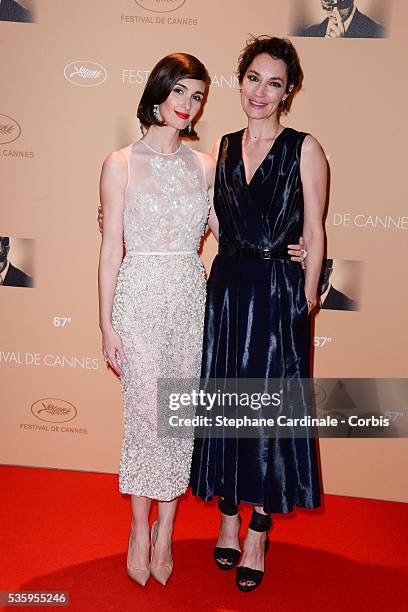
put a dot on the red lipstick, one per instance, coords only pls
(182, 115)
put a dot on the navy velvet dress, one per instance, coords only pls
(257, 326)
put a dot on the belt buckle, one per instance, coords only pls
(265, 254)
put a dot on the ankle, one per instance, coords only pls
(139, 531)
(260, 522)
(227, 509)
(254, 537)
(227, 519)
(164, 530)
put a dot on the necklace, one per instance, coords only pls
(254, 139)
(158, 152)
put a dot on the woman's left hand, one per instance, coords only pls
(298, 252)
(311, 303)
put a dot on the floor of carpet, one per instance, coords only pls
(68, 531)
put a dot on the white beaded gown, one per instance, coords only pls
(158, 309)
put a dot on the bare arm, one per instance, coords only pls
(212, 219)
(210, 166)
(313, 172)
(213, 223)
(209, 169)
(112, 191)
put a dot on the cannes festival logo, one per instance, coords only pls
(160, 6)
(85, 73)
(10, 130)
(54, 410)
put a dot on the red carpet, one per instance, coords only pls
(68, 531)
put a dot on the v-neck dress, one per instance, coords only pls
(257, 326)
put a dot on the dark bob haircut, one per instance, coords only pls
(277, 48)
(164, 76)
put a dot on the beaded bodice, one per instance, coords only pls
(166, 200)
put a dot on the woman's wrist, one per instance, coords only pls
(311, 301)
(105, 327)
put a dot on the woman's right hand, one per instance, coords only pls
(298, 252)
(100, 218)
(111, 347)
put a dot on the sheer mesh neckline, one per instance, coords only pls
(158, 152)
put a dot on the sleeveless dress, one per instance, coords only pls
(257, 326)
(158, 309)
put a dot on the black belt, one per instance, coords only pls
(236, 251)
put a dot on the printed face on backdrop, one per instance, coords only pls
(341, 19)
(4, 249)
(183, 103)
(330, 5)
(340, 284)
(344, 7)
(264, 85)
(10, 275)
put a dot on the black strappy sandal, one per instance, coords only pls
(231, 555)
(259, 522)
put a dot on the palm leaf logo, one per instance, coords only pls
(85, 73)
(52, 409)
(6, 129)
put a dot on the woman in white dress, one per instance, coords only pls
(154, 200)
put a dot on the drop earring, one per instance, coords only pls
(189, 128)
(156, 112)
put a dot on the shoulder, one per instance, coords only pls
(310, 145)
(115, 162)
(313, 161)
(204, 157)
(294, 138)
(115, 171)
(24, 14)
(226, 141)
(233, 135)
(13, 272)
(116, 158)
(208, 164)
(303, 140)
(27, 16)
(216, 147)
(16, 275)
(312, 154)
(368, 26)
(318, 29)
(17, 12)
(208, 160)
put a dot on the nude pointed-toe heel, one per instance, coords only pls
(139, 575)
(161, 573)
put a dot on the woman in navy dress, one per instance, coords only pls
(270, 188)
